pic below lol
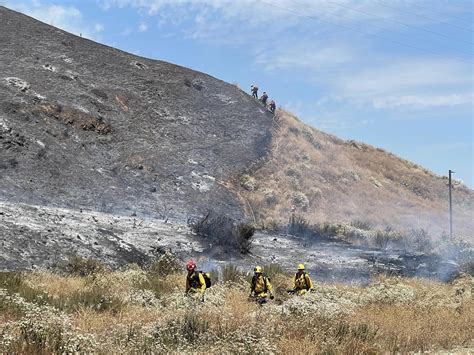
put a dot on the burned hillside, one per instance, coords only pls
(84, 125)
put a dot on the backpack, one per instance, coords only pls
(305, 280)
(266, 280)
(194, 280)
(207, 278)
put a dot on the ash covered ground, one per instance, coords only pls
(35, 237)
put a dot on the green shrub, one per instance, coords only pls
(193, 325)
(248, 182)
(271, 199)
(187, 329)
(421, 241)
(292, 172)
(157, 285)
(13, 282)
(417, 240)
(231, 273)
(467, 267)
(39, 340)
(165, 265)
(273, 270)
(360, 224)
(79, 266)
(300, 200)
(95, 298)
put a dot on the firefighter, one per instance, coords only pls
(260, 288)
(301, 282)
(254, 90)
(264, 98)
(195, 283)
(272, 106)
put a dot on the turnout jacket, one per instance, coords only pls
(302, 282)
(195, 282)
(261, 286)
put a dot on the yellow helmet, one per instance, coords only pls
(300, 266)
(258, 269)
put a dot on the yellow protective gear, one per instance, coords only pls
(300, 266)
(258, 269)
(261, 286)
(302, 283)
(195, 282)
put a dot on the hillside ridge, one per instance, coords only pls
(325, 179)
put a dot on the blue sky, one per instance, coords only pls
(396, 74)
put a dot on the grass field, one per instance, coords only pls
(92, 309)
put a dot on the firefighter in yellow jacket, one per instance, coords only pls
(301, 282)
(195, 283)
(260, 288)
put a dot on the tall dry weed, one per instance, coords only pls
(389, 315)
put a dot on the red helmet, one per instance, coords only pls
(190, 265)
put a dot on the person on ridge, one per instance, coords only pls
(195, 283)
(272, 106)
(254, 90)
(260, 288)
(301, 282)
(264, 98)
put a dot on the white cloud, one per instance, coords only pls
(257, 12)
(142, 27)
(127, 31)
(349, 76)
(404, 73)
(67, 18)
(423, 101)
(98, 27)
(406, 82)
(305, 55)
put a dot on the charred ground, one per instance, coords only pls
(87, 126)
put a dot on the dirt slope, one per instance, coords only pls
(326, 179)
(87, 126)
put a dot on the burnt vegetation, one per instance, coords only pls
(223, 232)
(74, 117)
(298, 226)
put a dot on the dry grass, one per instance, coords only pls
(52, 285)
(325, 179)
(389, 315)
(409, 328)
